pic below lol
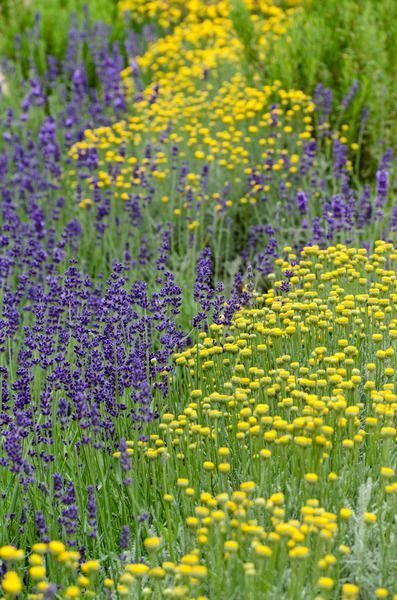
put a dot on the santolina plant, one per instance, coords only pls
(198, 325)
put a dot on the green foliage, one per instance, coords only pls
(335, 42)
(18, 18)
(244, 28)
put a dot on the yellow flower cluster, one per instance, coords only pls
(216, 129)
(293, 405)
(45, 560)
(202, 107)
(163, 12)
(87, 581)
(168, 12)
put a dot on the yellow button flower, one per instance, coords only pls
(12, 583)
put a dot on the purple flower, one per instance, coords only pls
(42, 526)
(301, 202)
(203, 292)
(350, 94)
(124, 540)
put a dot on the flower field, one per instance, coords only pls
(198, 283)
